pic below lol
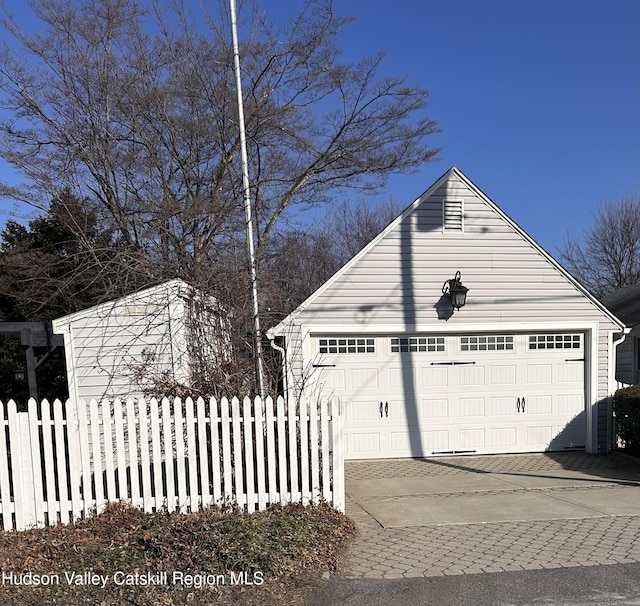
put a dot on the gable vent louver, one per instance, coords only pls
(452, 217)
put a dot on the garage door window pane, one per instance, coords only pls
(409, 344)
(346, 346)
(486, 343)
(555, 341)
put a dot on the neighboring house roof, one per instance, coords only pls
(451, 175)
(625, 303)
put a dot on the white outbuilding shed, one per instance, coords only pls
(526, 364)
(105, 344)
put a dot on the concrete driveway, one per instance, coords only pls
(471, 490)
(465, 515)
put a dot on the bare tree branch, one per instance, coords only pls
(130, 108)
(133, 110)
(607, 257)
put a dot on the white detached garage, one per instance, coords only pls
(527, 364)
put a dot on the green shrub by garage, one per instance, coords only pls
(626, 409)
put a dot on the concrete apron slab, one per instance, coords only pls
(502, 506)
(478, 497)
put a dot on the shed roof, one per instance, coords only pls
(625, 303)
(175, 285)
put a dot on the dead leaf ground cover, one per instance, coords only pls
(216, 556)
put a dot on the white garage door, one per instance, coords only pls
(425, 395)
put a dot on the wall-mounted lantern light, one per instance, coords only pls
(19, 375)
(456, 291)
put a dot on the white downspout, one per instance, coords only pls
(614, 358)
(285, 371)
(612, 381)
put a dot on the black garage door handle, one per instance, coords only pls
(520, 404)
(455, 363)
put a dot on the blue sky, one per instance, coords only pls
(538, 100)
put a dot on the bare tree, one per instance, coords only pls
(134, 109)
(607, 256)
(131, 107)
(355, 225)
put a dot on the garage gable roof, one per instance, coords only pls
(452, 174)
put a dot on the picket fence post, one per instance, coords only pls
(260, 429)
(316, 486)
(192, 457)
(205, 493)
(338, 496)
(24, 475)
(307, 493)
(271, 451)
(216, 467)
(7, 506)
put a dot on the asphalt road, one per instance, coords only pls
(617, 584)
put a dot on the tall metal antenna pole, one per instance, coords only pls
(247, 204)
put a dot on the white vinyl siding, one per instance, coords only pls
(625, 362)
(106, 344)
(628, 359)
(398, 281)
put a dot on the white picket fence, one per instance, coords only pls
(62, 462)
